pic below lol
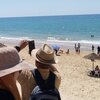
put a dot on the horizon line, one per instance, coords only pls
(47, 15)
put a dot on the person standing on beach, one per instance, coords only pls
(77, 48)
(92, 48)
(44, 62)
(98, 50)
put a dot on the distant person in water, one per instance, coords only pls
(92, 36)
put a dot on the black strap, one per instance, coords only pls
(44, 84)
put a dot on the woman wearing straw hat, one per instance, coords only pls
(10, 67)
(44, 62)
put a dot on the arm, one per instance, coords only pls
(58, 77)
(22, 45)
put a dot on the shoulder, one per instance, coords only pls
(25, 75)
(26, 78)
(27, 82)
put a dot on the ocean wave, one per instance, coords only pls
(14, 38)
(90, 42)
(50, 40)
(66, 40)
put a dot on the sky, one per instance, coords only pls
(19, 8)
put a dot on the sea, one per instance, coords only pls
(65, 30)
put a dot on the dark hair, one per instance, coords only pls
(41, 65)
(6, 95)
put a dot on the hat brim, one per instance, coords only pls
(21, 66)
(34, 55)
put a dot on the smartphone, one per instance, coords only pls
(31, 45)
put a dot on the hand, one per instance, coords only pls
(23, 44)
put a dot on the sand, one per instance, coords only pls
(75, 83)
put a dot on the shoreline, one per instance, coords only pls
(63, 44)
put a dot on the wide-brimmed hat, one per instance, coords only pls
(10, 61)
(44, 55)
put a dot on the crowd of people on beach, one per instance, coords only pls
(58, 50)
(16, 74)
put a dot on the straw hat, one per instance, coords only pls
(44, 55)
(10, 61)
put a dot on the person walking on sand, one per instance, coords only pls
(10, 67)
(44, 62)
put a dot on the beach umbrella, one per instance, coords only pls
(92, 57)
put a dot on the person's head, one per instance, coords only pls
(97, 67)
(44, 57)
(10, 62)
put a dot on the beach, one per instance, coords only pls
(75, 83)
(65, 31)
